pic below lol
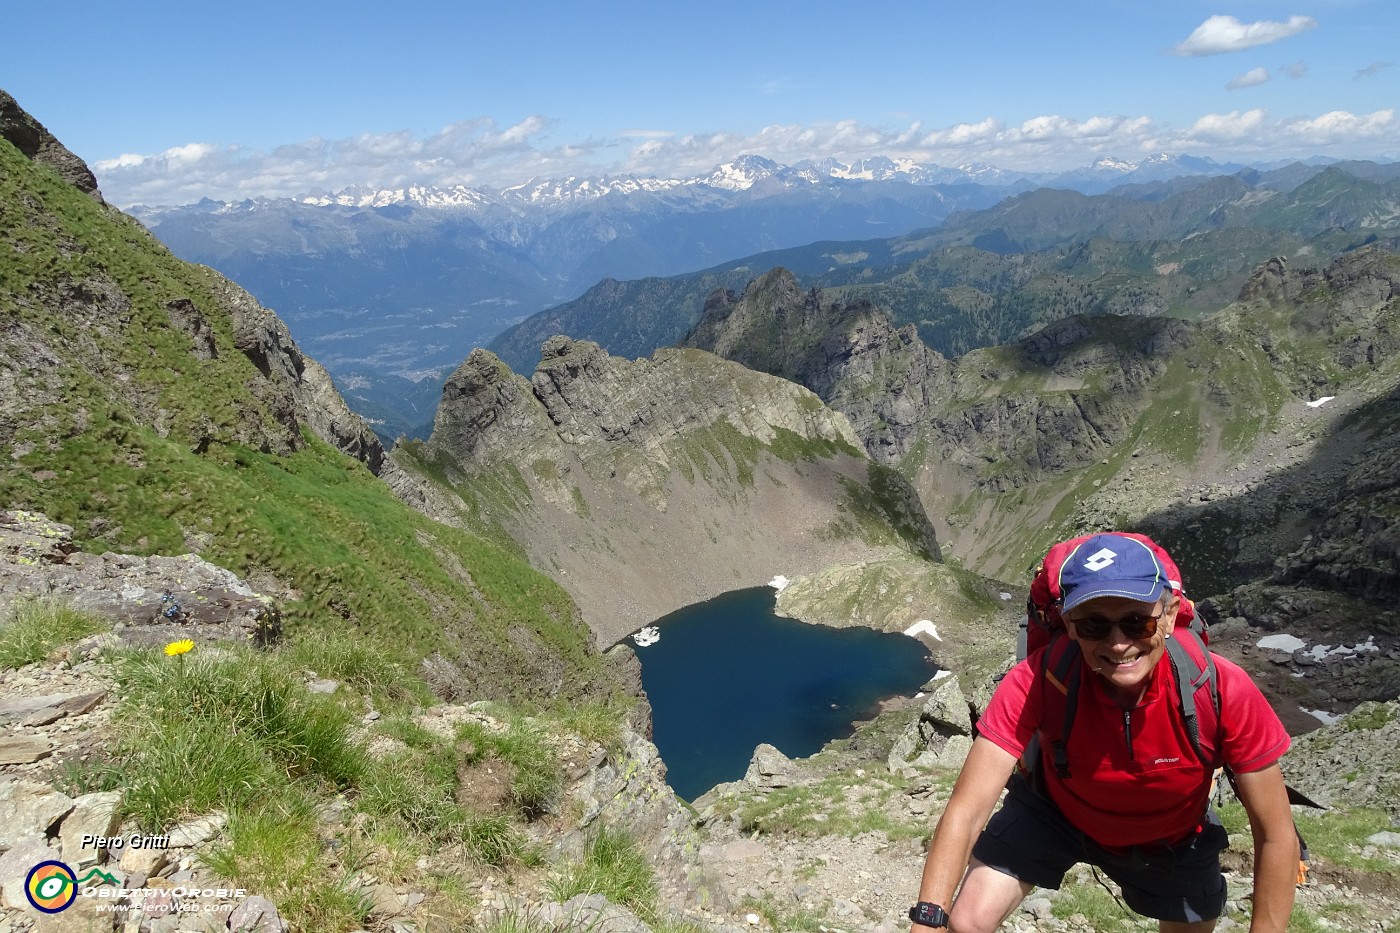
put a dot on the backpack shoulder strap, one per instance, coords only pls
(1194, 668)
(1062, 673)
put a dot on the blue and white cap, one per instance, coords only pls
(1111, 565)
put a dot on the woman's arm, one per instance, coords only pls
(975, 795)
(1265, 799)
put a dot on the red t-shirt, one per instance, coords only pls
(1134, 777)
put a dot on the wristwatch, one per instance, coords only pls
(928, 915)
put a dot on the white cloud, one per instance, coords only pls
(1226, 34)
(1227, 127)
(1251, 134)
(478, 153)
(1252, 78)
(1296, 70)
(1339, 124)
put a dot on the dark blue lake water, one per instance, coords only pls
(728, 674)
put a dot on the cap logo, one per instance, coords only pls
(1100, 559)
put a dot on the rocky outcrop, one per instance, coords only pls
(326, 413)
(942, 735)
(147, 600)
(193, 322)
(35, 142)
(1082, 379)
(646, 485)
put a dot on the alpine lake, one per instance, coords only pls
(726, 675)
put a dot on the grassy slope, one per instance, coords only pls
(102, 438)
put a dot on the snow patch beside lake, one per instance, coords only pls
(923, 627)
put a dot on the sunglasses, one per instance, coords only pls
(1134, 627)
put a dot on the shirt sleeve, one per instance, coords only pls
(1254, 736)
(1013, 713)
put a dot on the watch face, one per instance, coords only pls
(929, 915)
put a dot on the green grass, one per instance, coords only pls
(1368, 717)
(36, 628)
(277, 851)
(820, 809)
(595, 722)
(224, 729)
(1340, 836)
(785, 917)
(537, 777)
(414, 793)
(1089, 899)
(613, 866)
(379, 670)
(1337, 835)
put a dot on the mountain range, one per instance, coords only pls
(985, 277)
(386, 285)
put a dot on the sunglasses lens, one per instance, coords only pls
(1139, 626)
(1133, 627)
(1092, 629)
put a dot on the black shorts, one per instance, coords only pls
(1030, 840)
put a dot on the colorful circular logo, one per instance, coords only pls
(51, 886)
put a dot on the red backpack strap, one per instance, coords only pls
(1060, 674)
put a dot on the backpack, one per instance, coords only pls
(1193, 669)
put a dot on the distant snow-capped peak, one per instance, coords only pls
(741, 174)
(735, 177)
(1107, 164)
(421, 195)
(573, 188)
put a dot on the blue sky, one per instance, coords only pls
(170, 102)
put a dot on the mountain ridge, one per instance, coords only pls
(986, 277)
(600, 467)
(747, 171)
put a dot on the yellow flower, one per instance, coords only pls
(179, 647)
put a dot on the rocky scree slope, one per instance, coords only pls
(646, 485)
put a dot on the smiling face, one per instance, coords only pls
(1123, 659)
